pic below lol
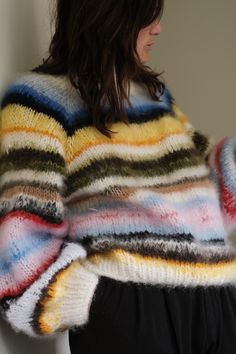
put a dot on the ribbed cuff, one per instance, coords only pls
(68, 299)
(60, 296)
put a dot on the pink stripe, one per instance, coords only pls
(24, 274)
(195, 219)
(19, 228)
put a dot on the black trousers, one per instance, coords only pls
(131, 318)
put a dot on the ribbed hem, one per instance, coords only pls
(124, 266)
(79, 294)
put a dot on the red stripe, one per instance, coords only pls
(30, 217)
(30, 280)
(227, 197)
(229, 202)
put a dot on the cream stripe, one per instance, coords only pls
(175, 196)
(32, 176)
(21, 310)
(127, 152)
(17, 117)
(101, 184)
(69, 299)
(127, 267)
(20, 140)
(148, 133)
(136, 197)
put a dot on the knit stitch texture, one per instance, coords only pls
(154, 204)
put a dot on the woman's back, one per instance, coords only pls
(101, 224)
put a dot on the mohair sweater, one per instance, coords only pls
(155, 204)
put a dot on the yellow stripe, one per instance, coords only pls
(148, 133)
(124, 155)
(33, 140)
(205, 270)
(5, 132)
(50, 319)
(16, 118)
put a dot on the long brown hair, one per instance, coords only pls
(94, 43)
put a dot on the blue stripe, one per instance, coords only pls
(228, 163)
(142, 103)
(70, 115)
(19, 250)
(157, 200)
(128, 227)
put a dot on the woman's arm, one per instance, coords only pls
(43, 287)
(222, 160)
(220, 156)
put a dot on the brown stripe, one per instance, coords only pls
(205, 182)
(32, 192)
(122, 193)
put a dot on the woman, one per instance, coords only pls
(117, 216)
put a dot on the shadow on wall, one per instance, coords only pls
(20, 38)
(12, 343)
(21, 51)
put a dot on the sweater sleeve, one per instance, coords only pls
(220, 157)
(43, 286)
(222, 161)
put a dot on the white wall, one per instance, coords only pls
(197, 51)
(24, 35)
(19, 37)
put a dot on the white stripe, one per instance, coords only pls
(189, 193)
(21, 140)
(147, 272)
(21, 310)
(101, 184)
(32, 176)
(149, 152)
(137, 197)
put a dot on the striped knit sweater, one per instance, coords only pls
(154, 204)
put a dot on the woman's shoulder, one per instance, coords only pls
(41, 90)
(49, 96)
